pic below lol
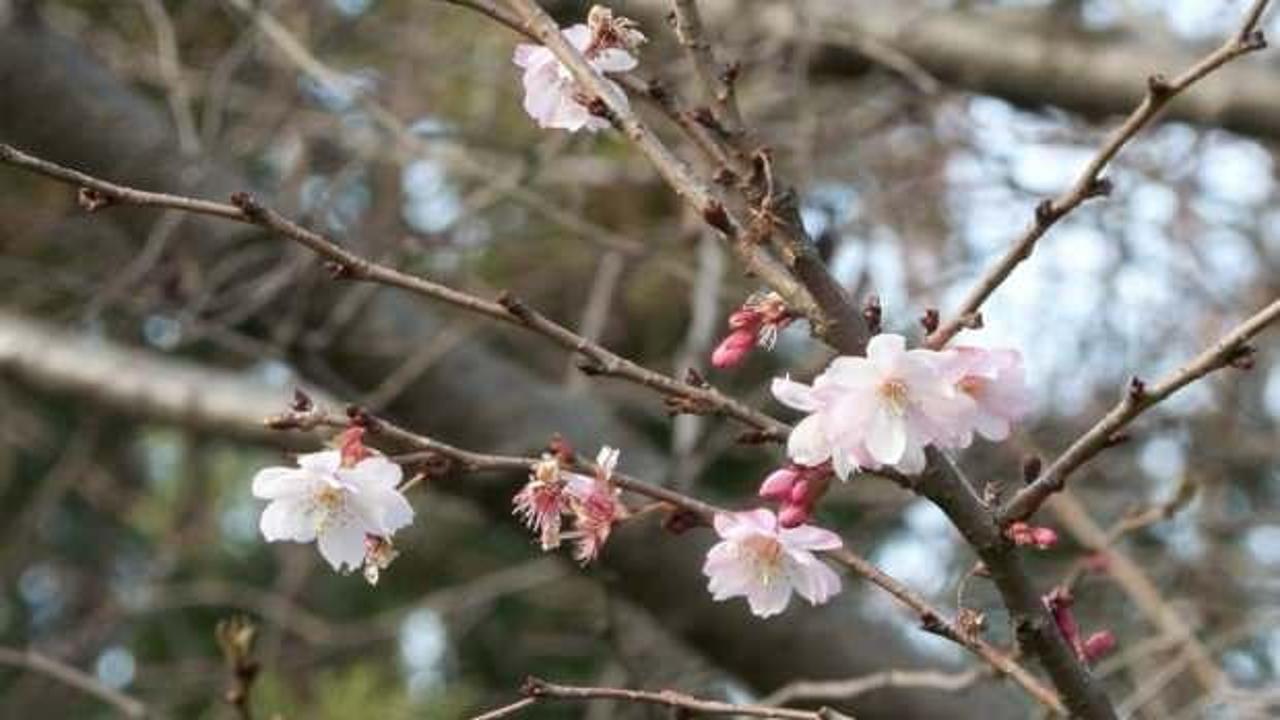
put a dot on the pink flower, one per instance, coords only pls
(551, 96)
(757, 322)
(879, 410)
(995, 381)
(542, 501)
(763, 562)
(595, 506)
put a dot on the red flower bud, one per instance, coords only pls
(777, 486)
(734, 348)
(1098, 645)
(793, 516)
(800, 492)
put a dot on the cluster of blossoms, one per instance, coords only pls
(346, 500)
(551, 96)
(884, 409)
(591, 502)
(756, 324)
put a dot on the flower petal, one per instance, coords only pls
(807, 444)
(886, 436)
(287, 519)
(810, 537)
(324, 462)
(277, 482)
(794, 395)
(342, 545)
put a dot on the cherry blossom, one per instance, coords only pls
(338, 505)
(551, 96)
(595, 506)
(756, 323)
(542, 501)
(764, 562)
(882, 409)
(995, 381)
(590, 501)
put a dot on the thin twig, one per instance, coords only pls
(717, 83)
(537, 690)
(67, 675)
(97, 193)
(1090, 183)
(809, 690)
(1139, 397)
(931, 619)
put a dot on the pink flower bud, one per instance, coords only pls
(801, 492)
(1099, 645)
(734, 348)
(1043, 537)
(791, 516)
(1023, 534)
(748, 319)
(778, 485)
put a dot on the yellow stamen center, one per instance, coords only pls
(894, 393)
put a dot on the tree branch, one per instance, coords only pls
(1090, 183)
(1139, 397)
(67, 675)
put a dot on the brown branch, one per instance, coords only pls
(931, 619)
(696, 192)
(1090, 183)
(1139, 397)
(803, 690)
(97, 194)
(537, 690)
(717, 82)
(70, 676)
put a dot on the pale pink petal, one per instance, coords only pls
(287, 519)
(578, 36)
(886, 436)
(325, 462)
(614, 60)
(607, 459)
(278, 482)
(527, 54)
(810, 537)
(794, 395)
(342, 545)
(816, 582)
(913, 459)
(769, 598)
(885, 350)
(373, 472)
(807, 445)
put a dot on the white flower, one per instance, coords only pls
(879, 410)
(764, 562)
(551, 96)
(996, 382)
(333, 505)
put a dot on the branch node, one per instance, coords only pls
(930, 320)
(1099, 187)
(248, 205)
(533, 687)
(1243, 357)
(1046, 212)
(873, 314)
(1031, 469)
(717, 217)
(91, 200)
(1137, 391)
(1158, 86)
(1254, 40)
